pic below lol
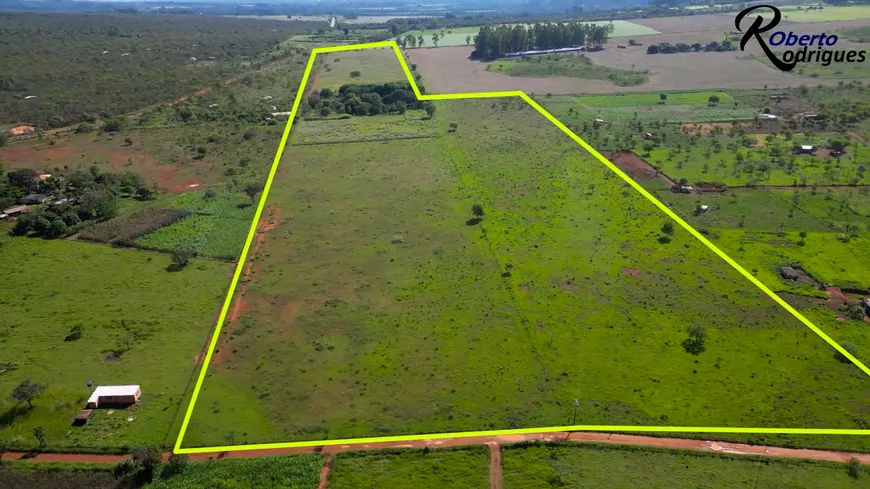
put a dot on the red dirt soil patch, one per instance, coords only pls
(324, 471)
(188, 185)
(22, 130)
(494, 466)
(630, 272)
(635, 166)
(252, 268)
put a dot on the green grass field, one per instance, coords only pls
(373, 65)
(296, 472)
(857, 34)
(141, 325)
(653, 98)
(465, 468)
(587, 466)
(567, 65)
(373, 283)
(457, 36)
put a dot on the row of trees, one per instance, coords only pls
(494, 41)
(681, 47)
(371, 99)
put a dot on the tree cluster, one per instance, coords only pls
(369, 99)
(681, 47)
(494, 41)
(80, 196)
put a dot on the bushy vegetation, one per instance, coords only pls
(123, 230)
(495, 41)
(296, 472)
(373, 99)
(87, 66)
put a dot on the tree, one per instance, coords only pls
(668, 228)
(39, 433)
(420, 41)
(148, 458)
(647, 148)
(477, 210)
(803, 236)
(837, 145)
(849, 348)
(853, 468)
(249, 134)
(663, 97)
(252, 189)
(128, 141)
(652, 49)
(435, 38)
(174, 465)
(56, 229)
(355, 74)
(467, 40)
(430, 111)
(713, 99)
(27, 391)
(694, 344)
(4, 138)
(180, 258)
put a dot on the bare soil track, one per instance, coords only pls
(579, 437)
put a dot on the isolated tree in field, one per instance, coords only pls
(180, 258)
(128, 141)
(39, 433)
(694, 344)
(663, 97)
(668, 228)
(355, 74)
(420, 41)
(477, 210)
(252, 190)
(435, 38)
(430, 111)
(27, 391)
(713, 99)
(467, 40)
(647, 148)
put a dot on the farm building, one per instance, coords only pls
(545, 51)
(18, 209)
(33, 199)
(114, 395)
(788, 273)
(807, 149)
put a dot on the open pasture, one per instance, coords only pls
(139, 324)
(372, 277)
(749, 161)
(374, 66)
(826, 14)
(413, 124)
(673, 98)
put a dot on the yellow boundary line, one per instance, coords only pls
(385, 439)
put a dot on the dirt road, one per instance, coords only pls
(579, 437)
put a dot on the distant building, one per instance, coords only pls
(788, 273)
(806, 149)
(114, 395)
(33, 199)
(12, 211)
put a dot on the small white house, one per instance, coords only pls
(114, 395)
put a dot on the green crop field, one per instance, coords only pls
(585, 466)
(140, 324)
(632, 99)
(465, 468)
(842, 69)
(826, 14)
(216, 228)
(296, 472)
(413, 124)
(578, 66)
(377, 287)
(457, 36)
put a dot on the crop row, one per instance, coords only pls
(124, 230)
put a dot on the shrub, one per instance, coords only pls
(174, 465)
(123, 230)
(355, 74)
